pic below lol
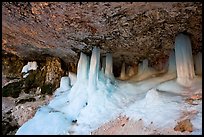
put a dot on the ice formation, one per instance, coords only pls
(109, 66)
(83, 67)
(78, 93)
(198, 63)
(93, 72)
(73, 78)
(30, 66)
(122, 73)
(157, 108)
(95, 99)
(65, 83)
(144, 72)
(184, 59)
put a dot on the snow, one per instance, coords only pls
(95, 99)
(184, 59)
(30, 66)
(156, 108)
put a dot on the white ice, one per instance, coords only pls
(65, 83)
(73, 78)
(109, 66)
(93, 72)
(184, 59)
(95, 99)
(30, 66)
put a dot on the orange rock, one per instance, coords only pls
(184, 125)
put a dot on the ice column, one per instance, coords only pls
(73, 78)
(94, 69)
(65, 83)
(83, 67)
(143, 67)
(122, 73)
(109, 66)
(184, 59)
(198, 63)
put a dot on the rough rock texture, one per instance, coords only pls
(54, 71)
(124, 126)
(184, 125)
(133, 31)
(47, 76)
(12, 66)
(16, 112)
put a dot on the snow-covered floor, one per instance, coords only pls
(154, 100)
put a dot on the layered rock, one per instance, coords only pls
(132, 31)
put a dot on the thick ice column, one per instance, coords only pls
(122, 73)
(109, 66)
(82, 68)
(65, 83)
(184, 59)
(198, 63)
(94, 69)
(172, 63)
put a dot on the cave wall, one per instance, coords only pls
(132, 31)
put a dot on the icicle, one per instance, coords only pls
(109, 66)
(198, 63)
(65, 83)
(94, 69)
(184, 59)
(82, 68)
(172, 63)
(122, 73)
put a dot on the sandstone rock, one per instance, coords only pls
(184, 125)
(60, 29)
